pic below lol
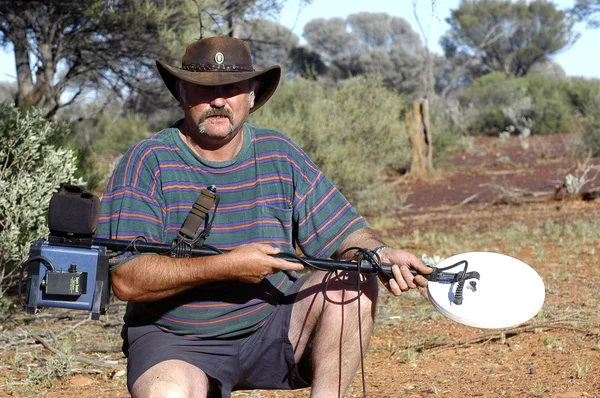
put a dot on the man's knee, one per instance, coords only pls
(159, 388)
(172, 379)
(348, 292)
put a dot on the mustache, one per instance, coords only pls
(217, 112)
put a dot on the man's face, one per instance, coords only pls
(218, 111)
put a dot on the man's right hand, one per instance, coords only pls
(154, 277)
(253, 262)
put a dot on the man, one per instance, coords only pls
(204, 326)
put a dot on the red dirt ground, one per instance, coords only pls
(415, 352)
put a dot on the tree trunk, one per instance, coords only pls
(419, 135)
(24, 77)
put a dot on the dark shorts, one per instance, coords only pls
(262, 360)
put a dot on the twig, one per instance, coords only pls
(88, 371)
(71, 328)
(74, 357)
(502, 335)
(60, 315)
(470, 198)
(504, 195)
(499, 335)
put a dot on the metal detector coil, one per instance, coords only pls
(507, 292)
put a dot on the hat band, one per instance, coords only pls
(216, 68)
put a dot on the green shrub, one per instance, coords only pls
(581, 93)
(552, 111)
(32, 167)
(488, 96)
(114, 134)
(353, 132)
(535, 101)
(590, 137)
(99, 141)
(448, 134)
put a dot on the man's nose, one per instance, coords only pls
(217, 97)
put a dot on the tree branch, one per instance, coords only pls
(77, 358)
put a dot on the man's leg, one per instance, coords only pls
(173, 379)
(335, 346)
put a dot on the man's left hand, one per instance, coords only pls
(403, 279)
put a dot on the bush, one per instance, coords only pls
(32, 167)
(581, 93)
(113, 135)
(552, 111)
(353, 132)
(590, 137)
(448, 129)
(101, 140)
(536, 102)
(490, 97)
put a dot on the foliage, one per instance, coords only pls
(32, 167)
(549, 69)
(584, 98)
(270, 43)
(589, 11)
(366, 43)
(449, 124)
(227, 17)
(353, 132)
(583, 94)
(55, 368)
(551, 110)
(8, 90)
(591, 135)
(85, 45)
(488, 96)
(503, 103)
(113, 134)
(508, 36)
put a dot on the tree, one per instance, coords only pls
(64, 48)
(508, 37)
(367, 43)
(589, 11)
(227, 17)
(270, 43)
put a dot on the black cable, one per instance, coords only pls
(44, 260)
(458, 295)
(360, 338)
(132, 245)
(375, 261)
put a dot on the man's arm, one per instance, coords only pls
(154, 277)
(402, 261)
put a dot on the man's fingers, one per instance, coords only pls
(421, 281)
(288, 265)
(267, 249)
(408, 277)
(399, 278)
(393, 287)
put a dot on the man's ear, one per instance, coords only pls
(254, 85)
(251, 99)
(181, 94)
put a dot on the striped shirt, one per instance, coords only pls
(270, 193)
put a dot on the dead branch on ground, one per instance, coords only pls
(499, 336)
(76, 358)
(515, 196)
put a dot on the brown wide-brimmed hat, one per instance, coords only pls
(217, 61)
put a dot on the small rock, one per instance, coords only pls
(118, 373)
(79, 381)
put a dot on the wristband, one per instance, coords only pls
(380, 248)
